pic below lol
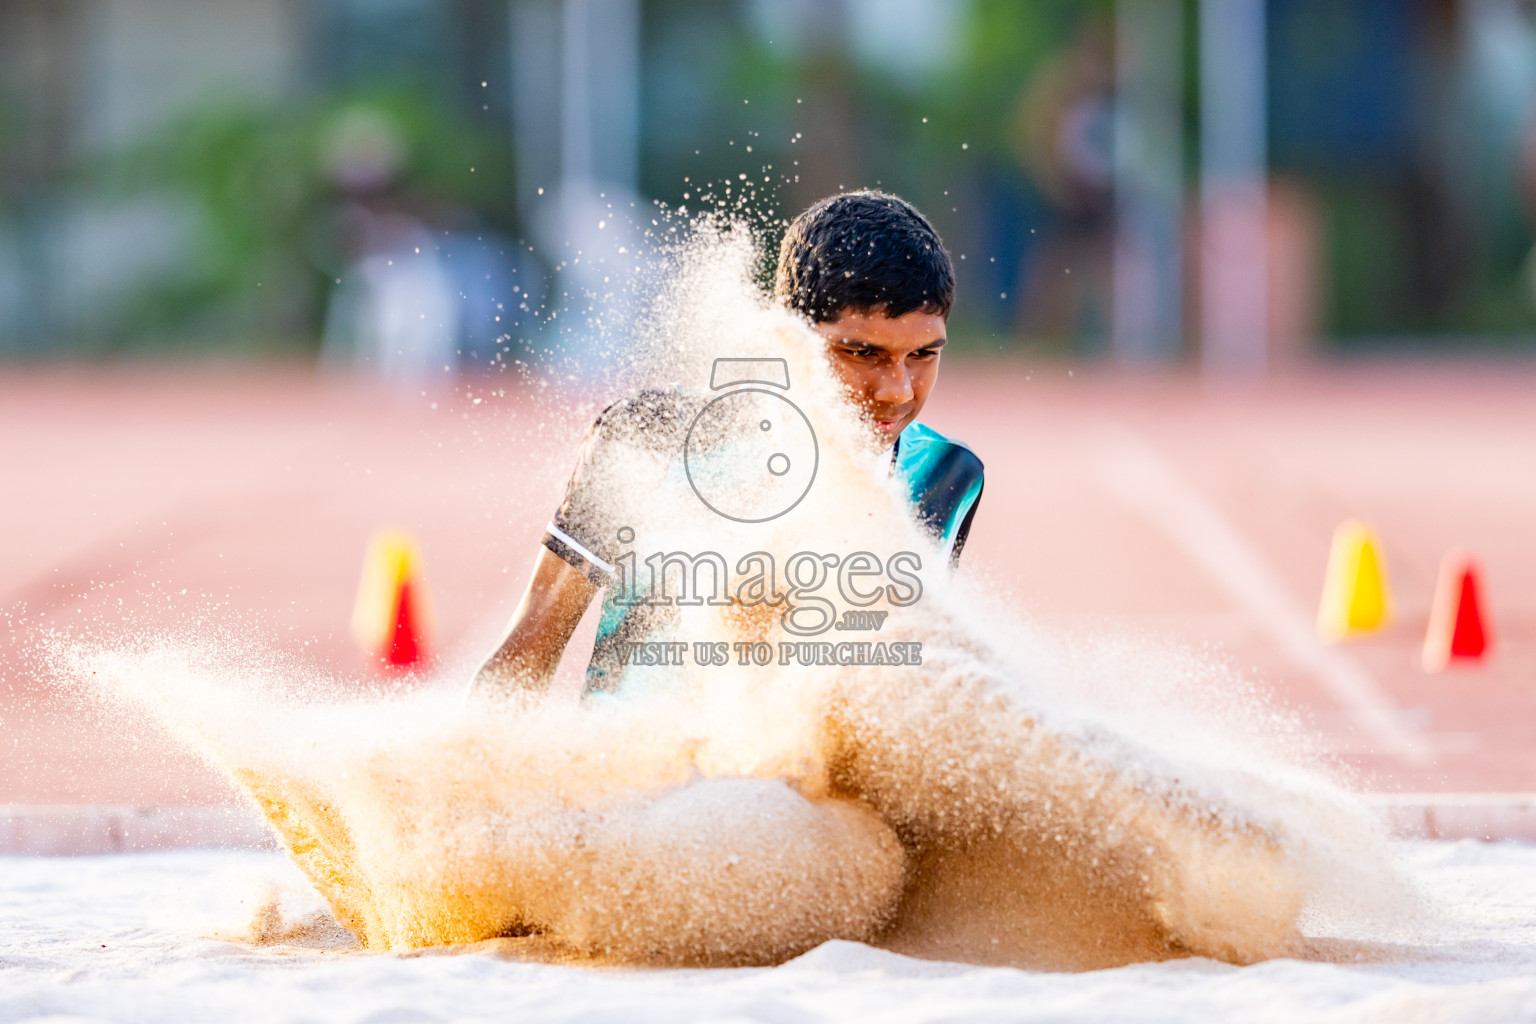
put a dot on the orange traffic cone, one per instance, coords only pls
(390, 620)
(1456, 627)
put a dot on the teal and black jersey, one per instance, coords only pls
(943, 477)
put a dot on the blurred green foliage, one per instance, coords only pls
(910, 130)
(1408, 244)
(818, 116)
(265, 207)
(1004, 45)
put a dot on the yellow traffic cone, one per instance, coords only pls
(1355, 594)
(389, 620)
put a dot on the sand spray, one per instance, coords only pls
(1017, 797)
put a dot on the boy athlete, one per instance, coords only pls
(871, 275)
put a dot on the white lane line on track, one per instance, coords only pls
(1133, 473)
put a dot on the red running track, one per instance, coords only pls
(150, 499)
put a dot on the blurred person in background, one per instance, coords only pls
(1062, 134)
(425, 288)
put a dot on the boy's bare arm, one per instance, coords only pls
(529, 652)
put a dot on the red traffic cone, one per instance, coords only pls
(390, 619)
(1457, 631)
(406, 646)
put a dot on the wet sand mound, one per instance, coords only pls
(932, 810)
(715, 871)
(1034, 846)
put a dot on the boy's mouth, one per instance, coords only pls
(886, 422)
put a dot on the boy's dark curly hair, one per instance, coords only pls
(863, 251)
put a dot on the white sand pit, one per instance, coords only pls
(239, 936)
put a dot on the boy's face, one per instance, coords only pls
(888, 364)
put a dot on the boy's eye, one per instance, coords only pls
(861, 351)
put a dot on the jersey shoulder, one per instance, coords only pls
(944, 480)
(922, 451)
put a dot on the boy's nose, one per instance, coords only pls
(893, 386)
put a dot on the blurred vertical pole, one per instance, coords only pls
(42, 76)
(576, 113)
(1234, 310)
(828, 120)
(575, 95)
(613, 76)
(600, 93)
(577, 110)
(535, 80)
(1148, 314)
